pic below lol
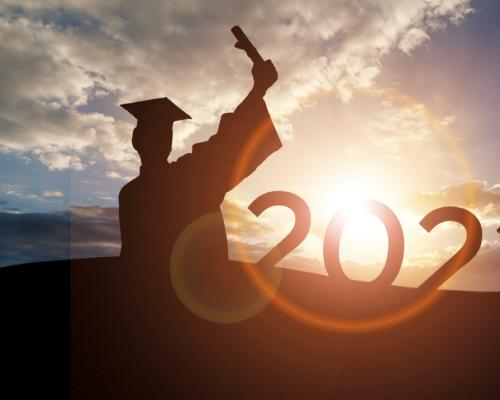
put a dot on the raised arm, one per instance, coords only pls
(246, 135)
(264, 76)
(264, 73)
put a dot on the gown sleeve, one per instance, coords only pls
(244, 140)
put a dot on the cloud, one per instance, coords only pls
(116, 175)
(239, 250)
(79, 232)
(48, 193)
(473, 195)
(242, 223)
(33, 237)
(113, 174)
(481, 273)
(299, 263)
(95, 231)
(76, 164)
(412, 39)
(59, 162)
(250, 237)
(448, 120)
(58, 57)
(13, 189)
(395, 127)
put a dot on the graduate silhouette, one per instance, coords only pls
(165, 198)
(135, 335)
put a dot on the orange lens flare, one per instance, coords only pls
(426, 299)
(213, 289)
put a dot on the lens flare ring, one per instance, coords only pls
(426, 299)
(211, 288)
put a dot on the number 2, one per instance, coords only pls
(465, 254)
(299, 230)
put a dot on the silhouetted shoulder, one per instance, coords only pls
(129, 187)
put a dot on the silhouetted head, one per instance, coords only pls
(153, 136)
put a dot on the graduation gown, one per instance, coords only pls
(159, 204)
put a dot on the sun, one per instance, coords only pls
(364, 238)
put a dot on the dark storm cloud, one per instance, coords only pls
(80, 232)
(95, 232)
(33, 237)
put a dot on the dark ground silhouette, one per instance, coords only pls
(131, 338)
(138, 341)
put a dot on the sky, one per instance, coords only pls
(395, 101)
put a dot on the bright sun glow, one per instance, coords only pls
(364, 239)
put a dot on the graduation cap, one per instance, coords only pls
(157, 111)
(162, 111)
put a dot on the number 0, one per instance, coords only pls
(331, 246)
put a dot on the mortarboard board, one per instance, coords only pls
(160, 110)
